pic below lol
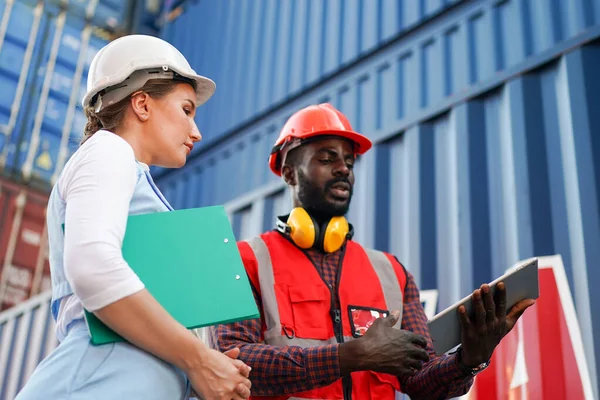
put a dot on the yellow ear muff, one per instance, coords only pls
(302, 228)
(335, 234)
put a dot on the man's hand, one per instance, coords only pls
(490, 323)
(384, 349)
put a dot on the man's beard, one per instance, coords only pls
(314, 200)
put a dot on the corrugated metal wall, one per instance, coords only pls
(291, 47)
(458, 54)
(485, 127)
(262, 52)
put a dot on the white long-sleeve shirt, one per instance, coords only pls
(97, 185)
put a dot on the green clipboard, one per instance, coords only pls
(189, 261)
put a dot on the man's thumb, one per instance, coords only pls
(233, 353)
(392, 319)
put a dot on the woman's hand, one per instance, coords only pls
(220, 376)
(213, 375)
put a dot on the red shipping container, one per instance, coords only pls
(23, 243)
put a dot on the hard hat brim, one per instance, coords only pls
(363, 144)
(205, 87)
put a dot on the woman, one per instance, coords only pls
(140, 103)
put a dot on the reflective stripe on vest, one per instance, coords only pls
(392, 292)
(267, 286)
(273, 335)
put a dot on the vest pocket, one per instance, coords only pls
(310, 309)
(383, 386)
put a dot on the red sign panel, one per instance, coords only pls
(543, 356)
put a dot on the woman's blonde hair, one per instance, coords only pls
(111, 117)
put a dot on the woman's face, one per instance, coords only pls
(172, 131)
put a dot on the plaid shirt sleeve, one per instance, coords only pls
(290, 369)
(440, 378)
(277, 370)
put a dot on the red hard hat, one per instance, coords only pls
(315, 120)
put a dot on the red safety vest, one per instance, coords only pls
(298, 307)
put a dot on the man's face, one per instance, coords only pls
(326, 176)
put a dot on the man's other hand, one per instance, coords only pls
(489, 324)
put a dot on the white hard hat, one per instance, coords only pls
(124, 66)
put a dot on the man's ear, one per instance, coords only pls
(289, 175)
(139, 104)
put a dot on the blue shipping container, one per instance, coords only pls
(21, 30)
(45, 54)
(109, 14)
(483, 119)
(261, 53)
(265, 53)
(56, 121)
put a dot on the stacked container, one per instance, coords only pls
(46, 48)
(23, 244)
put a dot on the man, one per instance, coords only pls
(329, 307)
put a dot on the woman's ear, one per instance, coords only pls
(139, 105)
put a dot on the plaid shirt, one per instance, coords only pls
(290, 369)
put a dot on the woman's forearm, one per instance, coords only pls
(141, 320)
